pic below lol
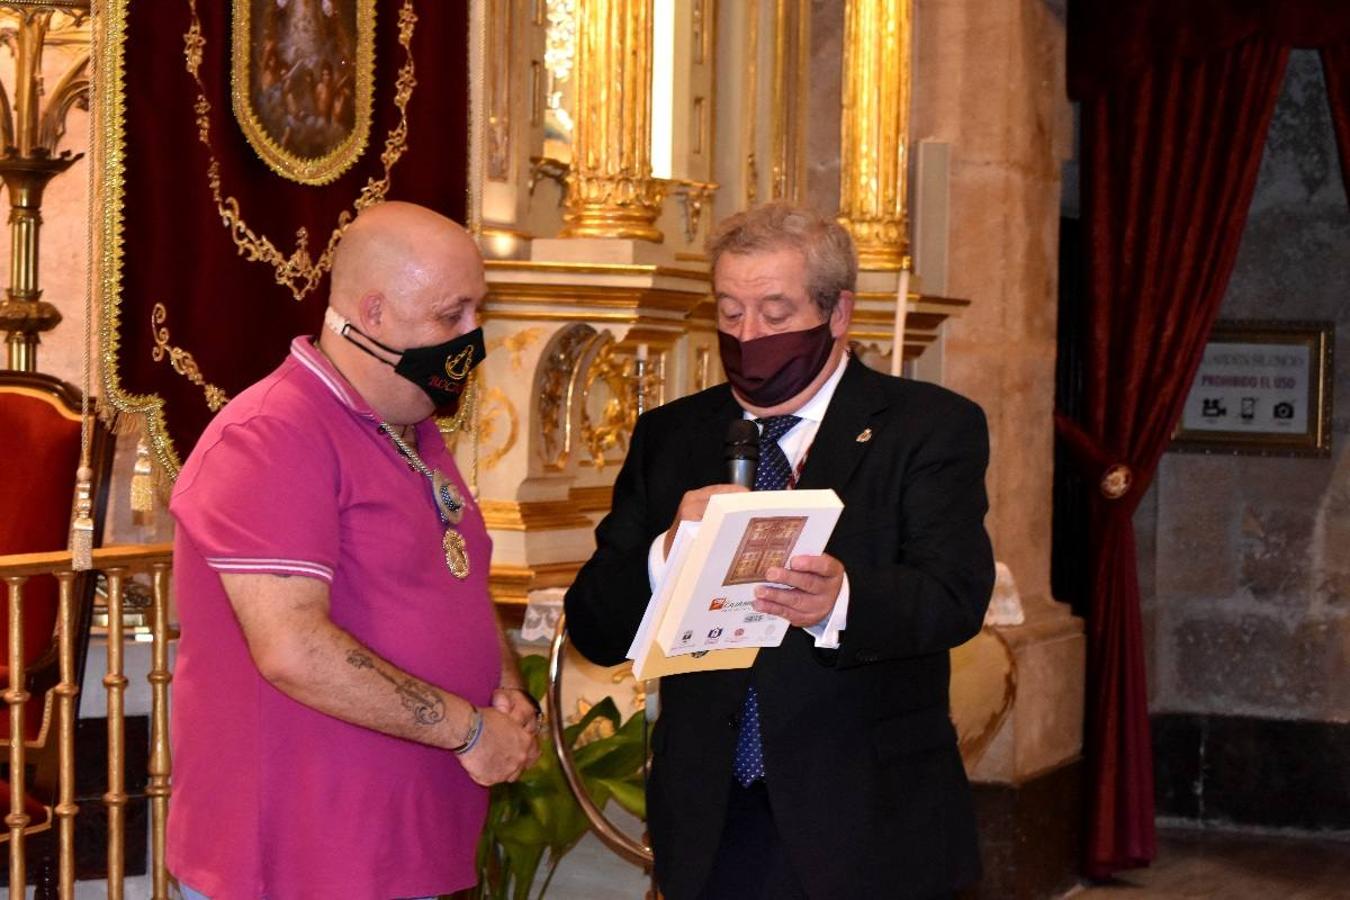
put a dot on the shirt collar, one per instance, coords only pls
(306, 352)
(813, 410)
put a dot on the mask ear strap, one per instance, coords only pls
(336, 323)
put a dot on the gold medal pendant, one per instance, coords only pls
(456, 553)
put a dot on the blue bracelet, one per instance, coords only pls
(475, 732)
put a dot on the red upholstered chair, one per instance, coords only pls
(39, 453)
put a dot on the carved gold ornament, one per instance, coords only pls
(302, 75)
(516, 343)
(182, 361)
(299, 271)
(554, 391)
(608, 402)
(497, 407)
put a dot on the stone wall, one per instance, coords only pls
(989, 81)
(1245, 561)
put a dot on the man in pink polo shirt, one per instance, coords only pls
(343, 693)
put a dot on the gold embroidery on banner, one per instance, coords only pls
(182, 361)
(333, 94)
(299, 271)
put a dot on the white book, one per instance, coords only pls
(701, 615)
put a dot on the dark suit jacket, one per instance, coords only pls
(863, 772)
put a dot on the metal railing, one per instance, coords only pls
(118, 565)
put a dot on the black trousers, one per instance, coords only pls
(752, 862)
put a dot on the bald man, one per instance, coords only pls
(343, 692)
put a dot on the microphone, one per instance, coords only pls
(742, 453)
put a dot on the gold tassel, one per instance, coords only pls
(142, 482)
(82, 530)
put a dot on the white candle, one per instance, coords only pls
(901, 311)
(642, 353)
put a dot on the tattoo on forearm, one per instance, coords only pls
(421, 699)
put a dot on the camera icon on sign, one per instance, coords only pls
(1284, 410)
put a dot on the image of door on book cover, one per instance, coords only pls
(766, 543)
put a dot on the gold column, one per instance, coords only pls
(874, 160)
(791, 46)
(160, 762)
(17, 820)
(116, 683)
(610, 189)
(66, 691)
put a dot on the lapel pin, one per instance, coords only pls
(865, 436)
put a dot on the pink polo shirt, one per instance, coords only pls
(270, 797)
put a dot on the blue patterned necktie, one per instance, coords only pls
(774, 473)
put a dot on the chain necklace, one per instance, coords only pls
(449, 504)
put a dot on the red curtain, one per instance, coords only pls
(1170, 159)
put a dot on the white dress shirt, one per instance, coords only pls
(795, 444)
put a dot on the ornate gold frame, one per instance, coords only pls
(319, 169)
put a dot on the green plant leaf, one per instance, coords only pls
(615, 759)
(534, 669)
(522, 865)
(537, 814)
(630, 795)
(605, 708)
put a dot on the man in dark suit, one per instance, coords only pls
(830, 768)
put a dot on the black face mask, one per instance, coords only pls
(441, 370)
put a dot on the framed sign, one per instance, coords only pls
(1262, 388)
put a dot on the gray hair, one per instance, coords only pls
(825, 246)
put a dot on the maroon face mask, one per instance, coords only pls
(769, 370)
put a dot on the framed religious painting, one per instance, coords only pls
(302, 78)
(1263, 388)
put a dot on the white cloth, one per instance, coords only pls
(795, 444)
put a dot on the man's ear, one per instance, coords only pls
(370, 310)
(842, 316)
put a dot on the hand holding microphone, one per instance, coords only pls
(741, 451)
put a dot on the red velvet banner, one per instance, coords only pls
(226, 318)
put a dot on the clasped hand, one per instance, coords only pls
(510, 741)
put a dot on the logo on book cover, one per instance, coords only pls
(737, 635)
(717, 603)
(686, 637)
(714, 633)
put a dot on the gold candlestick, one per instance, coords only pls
(30, 133)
